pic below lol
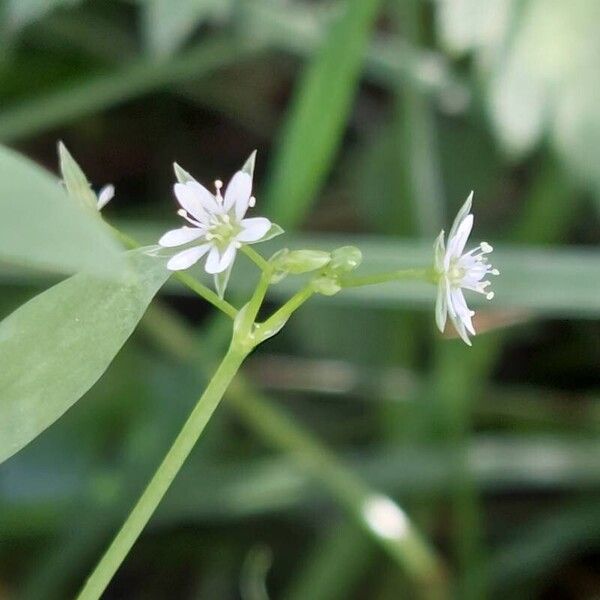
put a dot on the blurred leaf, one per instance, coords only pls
(542, 72)
(20, 13)
(55, 347)
(169, 23)
(319, 114)
(41, 226)
(97, 92)
(543, 544)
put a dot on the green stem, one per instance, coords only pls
(256, 258)
(187, 280)
(206, 293)
(280, 316)
(376, 278)
(162, 479)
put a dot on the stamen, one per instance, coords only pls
(495, 272)
(252, 201)
(218, 186)
(489, 296)
(182, 213)
(486, 248)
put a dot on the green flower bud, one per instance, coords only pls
(297, 262)
(345, 259)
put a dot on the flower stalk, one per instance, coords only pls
(164, 475)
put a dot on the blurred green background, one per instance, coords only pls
(373, 120)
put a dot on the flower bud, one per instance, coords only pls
(297, 262)
(345, 259)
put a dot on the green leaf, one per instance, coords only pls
(75, 181)
(318, 115)
(57, 345)
(40, 226)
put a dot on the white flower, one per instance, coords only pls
(218, 224)
(105, 195)
(458, 271)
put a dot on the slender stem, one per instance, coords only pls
(162, 479)
(244, 329)
(187, 280)
(255, 257)
(376, 278)
(205, 292)
(268, 420)
(280, 316)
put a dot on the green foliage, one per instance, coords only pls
(394, 117)
(56, 346)
(315, 123)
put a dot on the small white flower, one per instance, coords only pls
(458, 271)
(105, 195)
(218, 224)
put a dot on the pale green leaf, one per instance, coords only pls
(41, 226)
(57, 345)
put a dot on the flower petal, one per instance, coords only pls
(441, 308)
(460, 329)
(462, 310)
(465, 209)
(178, 237)
(439, 251)
(218, 262)
(105, 195)
(186, 258)
(196, 200)
(238, 193)
(456, 245)
(253, 229)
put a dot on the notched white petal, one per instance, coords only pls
(178, 237)
(185, 259)
(238, 193)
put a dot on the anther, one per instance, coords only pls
(486, 248)
(489, 296)
(252, 201)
